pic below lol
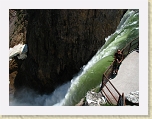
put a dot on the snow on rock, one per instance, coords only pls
(19, 50)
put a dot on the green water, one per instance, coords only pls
(91, 76)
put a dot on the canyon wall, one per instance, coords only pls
(60, 42)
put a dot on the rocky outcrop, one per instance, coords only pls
(19, 50)
(95, 99)
(133, 98)
(60, 42)
(17, 27)
(17, 35)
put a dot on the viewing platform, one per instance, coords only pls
(124, 85)
(127, 79)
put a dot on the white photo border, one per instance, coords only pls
(5, 5)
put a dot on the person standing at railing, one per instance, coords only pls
(118, 57)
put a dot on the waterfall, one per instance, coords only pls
(90, 75)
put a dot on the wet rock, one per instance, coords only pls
(133, 97)
(95, 99)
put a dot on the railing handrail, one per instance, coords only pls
(106, 77)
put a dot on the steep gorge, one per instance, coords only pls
(60, 42)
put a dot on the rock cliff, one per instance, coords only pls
(60, 42)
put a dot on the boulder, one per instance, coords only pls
(95, 99)
(133, 97)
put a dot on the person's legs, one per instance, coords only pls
(118, 65)
(114, 67)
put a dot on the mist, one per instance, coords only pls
(28, 97)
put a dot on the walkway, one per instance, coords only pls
(127, 79)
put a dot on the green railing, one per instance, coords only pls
(107, 88)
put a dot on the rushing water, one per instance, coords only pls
(91, 74)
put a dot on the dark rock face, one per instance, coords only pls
(60, 42)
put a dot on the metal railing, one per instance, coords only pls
(107, 88)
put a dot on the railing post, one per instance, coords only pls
(129, 48)
(123, 97)
(101, 83)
